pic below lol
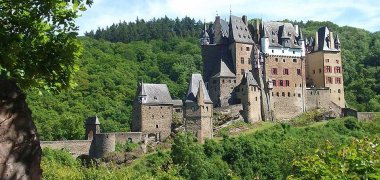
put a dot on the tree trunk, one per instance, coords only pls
(20, 151)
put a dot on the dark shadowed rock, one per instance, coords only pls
(20, 151)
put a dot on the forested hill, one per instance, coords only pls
(167, 51)
(140, 30)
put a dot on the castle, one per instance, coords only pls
(268, 68)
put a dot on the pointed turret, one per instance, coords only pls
(300, 35)
(205, 38)
(337, 42)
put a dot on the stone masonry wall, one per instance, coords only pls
(317, 98)
(289, 85)
(156, 119)
(76, 147)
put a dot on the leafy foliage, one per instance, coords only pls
(107, 83)
(38, 41)
(358, 159)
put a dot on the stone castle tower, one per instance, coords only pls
(324, 65)
(152, 111)
(198, 109)
(249, 92)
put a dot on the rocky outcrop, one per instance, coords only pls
(20, 151)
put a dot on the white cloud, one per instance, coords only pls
(365, 13)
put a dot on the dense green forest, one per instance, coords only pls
(166, 51)
(337, 149)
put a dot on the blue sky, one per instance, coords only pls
(360, 13)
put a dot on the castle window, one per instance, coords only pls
(330, 90)
(234, 81)
(286, 71)
(299, 95)
(327, 60)
(223, 81)
(311, 93)
(283, 60)
(320, 70)
(152, 116)
(338, 90)
(313, 71)
(161, 107)
(278, 94)
(273, 33)
(155, 98)
(329, 80)
(229, 81)
(287, 82)
(242, 71)
(242, 60)
(328, 69)
(241, 48)
(178, 110)
(283, 94)
(337, 61)
(149, 107)
(272, 94)
(254, 88)
(247, 48)
(283, 51)
(294, 52)
(272, 42)
(288, 94)
(300, 85)
(272, 51)
(298, 71)
(256, 98)
(337, 69)
(294, 60)
(295, 85)
(157, 126)
(338, 80)
(207, 108)
(281, 83)
(274, 71)
(339, 98)
(276, 59)
(274, 82)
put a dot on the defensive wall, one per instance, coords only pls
(99, 146)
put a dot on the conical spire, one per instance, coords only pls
(300, 34)
(336, 40)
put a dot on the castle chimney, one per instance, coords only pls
(244, 18)
(316, 41)
(331, 45)
(296, 29)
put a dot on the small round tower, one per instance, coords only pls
(92, 127)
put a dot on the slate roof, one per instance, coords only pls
(177, 102)
(155, 94)
(324, 38)
(92, 121)
(279, 32)
(224, 70)
(249, 79)
(239, 31)
(194, 87)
